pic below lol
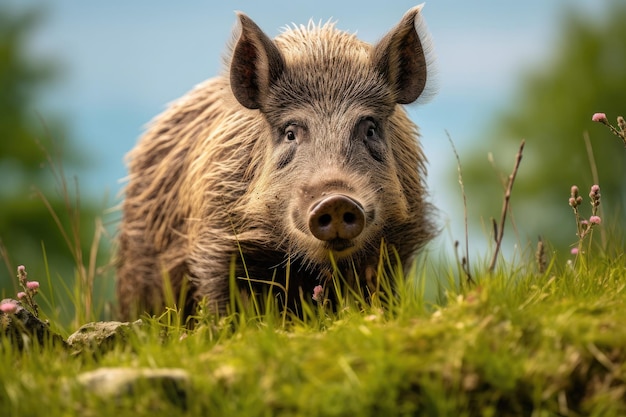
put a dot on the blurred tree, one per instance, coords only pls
(586, 73)
(26, 148)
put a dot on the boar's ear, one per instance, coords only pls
(256, 63)
(403, 56)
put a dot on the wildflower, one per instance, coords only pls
(22, 275)
(599, 117)
(574, 251)
(594, 195)
(8, 307)
(30, 289)
(621, 124)
(575, 199)
(595, 220)
(318, 293)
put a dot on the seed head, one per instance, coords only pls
(622, 124)
(594, 195)
(575, 199)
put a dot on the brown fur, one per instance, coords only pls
(212, 180)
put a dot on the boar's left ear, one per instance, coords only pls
(256, 63)
(403, 56)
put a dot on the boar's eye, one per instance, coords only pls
(290, 135)
(367, 131)
(293, 132)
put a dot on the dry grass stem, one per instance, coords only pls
(505, 206)
(465, 263)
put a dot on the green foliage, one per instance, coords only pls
(552, 111)
(20, 78)
(31, 162)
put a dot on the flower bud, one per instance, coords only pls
(318, 293)
(8, 307)
(599, 117)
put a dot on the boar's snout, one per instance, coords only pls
(336, 217)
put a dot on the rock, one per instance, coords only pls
(113, 384)
(100, 337)
(22, 327)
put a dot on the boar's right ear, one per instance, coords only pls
(256, 63)
(404, 55)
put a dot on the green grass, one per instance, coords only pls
(517, 343)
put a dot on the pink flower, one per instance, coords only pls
(318, 293)
(21, 269)
(21, 295)
(574, 251)
(32, 285)
(8, 308)
(595, 220)
(599, 117)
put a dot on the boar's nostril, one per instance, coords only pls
(324, 220)
(336, 217)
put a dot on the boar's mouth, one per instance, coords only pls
(339, 245)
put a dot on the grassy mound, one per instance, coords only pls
(515, 343)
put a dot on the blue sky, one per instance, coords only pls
(123, 61)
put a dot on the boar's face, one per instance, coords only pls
(330, 180)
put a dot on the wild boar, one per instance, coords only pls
(297, 162)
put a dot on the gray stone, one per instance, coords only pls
(101, 336)
(113, 384)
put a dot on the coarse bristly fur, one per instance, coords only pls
(230, 172)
